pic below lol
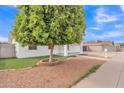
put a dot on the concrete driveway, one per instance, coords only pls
(101, 54)
(109, 75)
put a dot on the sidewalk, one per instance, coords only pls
(109, 75)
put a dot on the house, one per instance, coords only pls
(34, 51)
(100, 46)
(122, 46)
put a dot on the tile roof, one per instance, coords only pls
(97, 43)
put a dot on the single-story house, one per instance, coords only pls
(100, 46)
(122, 46)
(34, 51)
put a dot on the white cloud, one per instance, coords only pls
(122, 7)
(14, 5)
(119, 41)
(114, 34)
(94, 28)
(106, 35)
(119, 25)
(102, 16)
(3, 39)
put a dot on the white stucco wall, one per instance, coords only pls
(95, 48)
(24, 52)
(74, 48)
(110, 48)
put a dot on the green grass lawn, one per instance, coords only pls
(14, 63)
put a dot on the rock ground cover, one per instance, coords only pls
(58, 76)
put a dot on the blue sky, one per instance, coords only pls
(7, 17)
(103, 22)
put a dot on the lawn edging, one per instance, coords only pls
(26, 68)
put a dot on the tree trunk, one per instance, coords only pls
(51, 53)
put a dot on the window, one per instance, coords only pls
(31, 47)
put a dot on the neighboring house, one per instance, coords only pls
(122, 46)
(34, 51)
(100, 46)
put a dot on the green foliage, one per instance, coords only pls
(49, 25)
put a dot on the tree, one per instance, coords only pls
(49, 25)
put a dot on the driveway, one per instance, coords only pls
(109, 75)
(101, 54)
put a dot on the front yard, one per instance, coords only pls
(71, 71)
(14, 63)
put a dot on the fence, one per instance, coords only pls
(7, 50)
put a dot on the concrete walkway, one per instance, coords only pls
(109, 75)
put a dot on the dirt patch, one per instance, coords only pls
(57, 76)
